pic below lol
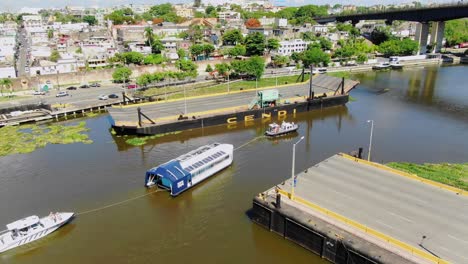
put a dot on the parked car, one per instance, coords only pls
(113, 96)
(39, 93)
(61, 94)
(132, 86)
(103, 97)
(85, 86)
(71, 88)
(95, 85)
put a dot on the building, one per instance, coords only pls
(288, 47)
(183, 11)
(229, 15)
(267, 21)
(32, 21)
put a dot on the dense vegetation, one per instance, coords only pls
(456, 31)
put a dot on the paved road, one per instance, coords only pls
(23, 45)
(79, 97)
(394, 205)
(158, 110)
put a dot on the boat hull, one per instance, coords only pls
(40, 233)
(270, 134)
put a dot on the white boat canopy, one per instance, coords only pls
(23, 223)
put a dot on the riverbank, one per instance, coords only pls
(455, 175)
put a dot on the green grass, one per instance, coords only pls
(451, 174)
(340, 74)
(27, 138)
(178, 92)
(12, 97)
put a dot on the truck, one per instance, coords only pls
(265, 98)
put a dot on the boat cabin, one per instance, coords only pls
(21, 227)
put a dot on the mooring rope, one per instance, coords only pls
(118, 203)
(248, 142)
(146, 194)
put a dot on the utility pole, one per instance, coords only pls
(311, 93)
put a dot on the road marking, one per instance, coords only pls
(453, 253)
(400, 216)
(459, 239)
(382, 223)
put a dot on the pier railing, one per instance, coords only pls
(365, 229)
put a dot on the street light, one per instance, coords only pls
(185, 102)
(293, 161)
(370, 139)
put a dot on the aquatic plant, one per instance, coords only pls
(138, 141)
(27, 138)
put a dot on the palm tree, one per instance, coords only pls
(149, 34)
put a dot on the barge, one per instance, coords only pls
(230, 108)
(182, 173)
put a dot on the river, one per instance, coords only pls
(420, 115)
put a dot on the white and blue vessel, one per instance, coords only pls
(182, 173)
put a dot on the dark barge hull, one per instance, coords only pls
(282, 111)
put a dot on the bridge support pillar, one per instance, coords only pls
(437, 35)
(422, 33)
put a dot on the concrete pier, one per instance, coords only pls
(347, 209)
(421, 36)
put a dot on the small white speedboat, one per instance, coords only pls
(381, 66)
(31, 228)
(278, 130)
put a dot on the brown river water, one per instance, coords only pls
(420, 114)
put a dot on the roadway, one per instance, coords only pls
(402, 208)
(79, 97)
(128, 115)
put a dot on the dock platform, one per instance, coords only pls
(346, 207)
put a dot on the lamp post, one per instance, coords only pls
(185, 102)
(293, 162)
(228, 80)
(370, 139)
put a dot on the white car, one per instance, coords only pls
(103, 97)
(38, 93)
(61, 94)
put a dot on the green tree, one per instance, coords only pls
(208, 49)
(91, 20)
(187, 66)
(380, 34)
(255, 44)
(395, 47)
(121, 16)
(256, 66)
(208, 68)
(181, 53)
(6, 83)
(196, 49)
(456, 31)
(153, 59)
(232, 37)
(314, 56)
(280, 61)
(50, 33)
(361, 58)
(222, 68)
(122, 74)
(133, 57)
(153, 41)
(296, 57)
(238, 50)
(54, 56)
(272, 44)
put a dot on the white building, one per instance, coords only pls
(230, 15)
(320, 28)
(288, 47)
(265, 21)
(7, 72)
(281, 22)
(32, 21)
(7, 48)
(66, 65)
